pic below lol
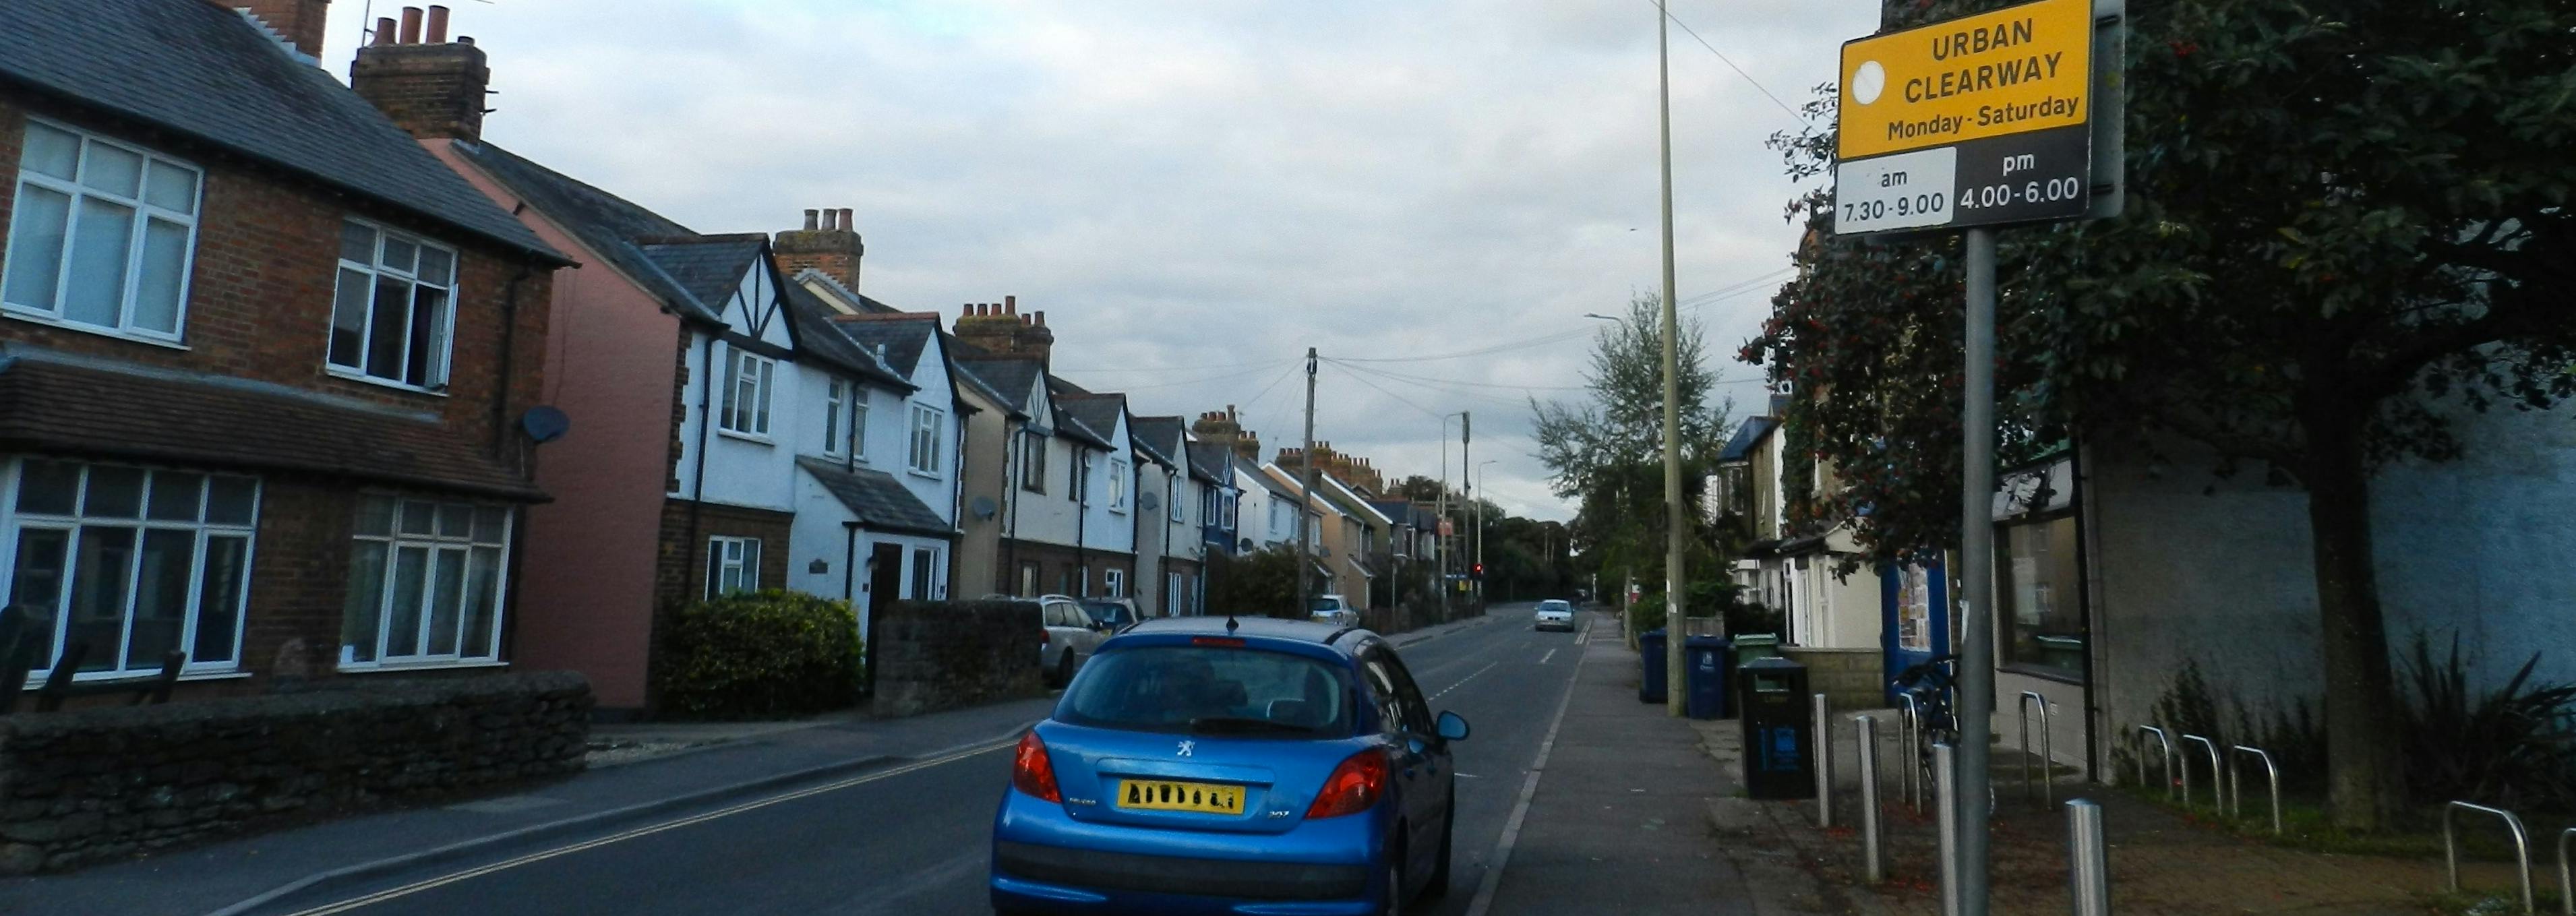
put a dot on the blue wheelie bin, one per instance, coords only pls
(1707, 660)
(1650, 651)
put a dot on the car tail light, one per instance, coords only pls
(1354, 786)
(1033, 773)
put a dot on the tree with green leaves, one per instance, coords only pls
(1606, 451)
(2347, 221)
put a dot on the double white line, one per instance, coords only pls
(534, 857)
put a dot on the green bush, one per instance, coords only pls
(760, 654)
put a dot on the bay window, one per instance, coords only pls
(101, 235)
(131, 563)
(393, 313)
(425, 583)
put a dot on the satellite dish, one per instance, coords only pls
(1246, 545)
(545, 423)
(983, 507)
(1150, 501)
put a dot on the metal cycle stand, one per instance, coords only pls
(1872, 861)
(2047, 753)
(1911, 710)
(2270, 770)
(2088, 876)
(2521, 847)
(2217, 780)
(2566, 887)
(2167, 763)
(1945, 774)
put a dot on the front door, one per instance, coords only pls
(885, 577)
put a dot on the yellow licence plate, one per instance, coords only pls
(1156, 795)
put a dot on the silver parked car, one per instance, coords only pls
(1072, 635)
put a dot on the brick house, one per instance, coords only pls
(264, 362)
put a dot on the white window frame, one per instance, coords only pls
(142, 217)
(1233, 507)
(1113, 583)
(437, 542)
(1033, 461)
(923, 455)
(15, 523)
(836, 413)
(727, 554)
(745, 370)
(1118, 486)
(858, 422)
(441, 354)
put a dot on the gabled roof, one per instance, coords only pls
(1276, 486)
(902, 335)
(881, 502)
(203, 72)
(1208, 461)
(707, 267)
(1747, 435)
(1394, 509)
(818, 338)
(1095, 414)
(1158, 436)
(1019, 376)
(608, 224)
(1351, 497)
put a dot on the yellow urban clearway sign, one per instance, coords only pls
(2014, 70)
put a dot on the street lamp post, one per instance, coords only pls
(1480, 530)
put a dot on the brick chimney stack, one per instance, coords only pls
(1000, 329)
(828, 243)
(1226, 428)
(300, 22)
(428, 85)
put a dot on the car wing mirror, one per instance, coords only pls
(1453, 727)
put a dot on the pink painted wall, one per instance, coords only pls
(586, 587)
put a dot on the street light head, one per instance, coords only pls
(1599, 316)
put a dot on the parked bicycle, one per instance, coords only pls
(1933, 685)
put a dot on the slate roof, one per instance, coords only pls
(201, 71)
(49, 402)
(904, 336)
(960, 373)
(1399, 509)
(709, 268)
(818, 338)
(1747, 434)
(610, 225)
(1094, 415)
(1208, 460)
(880, 501)
(1157, 436)
(1015, 376)
(1267, 482)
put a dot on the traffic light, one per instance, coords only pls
(1480, 570)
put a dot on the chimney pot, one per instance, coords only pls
(846, 224)
(1011, 305)
(411, 25)
(812, 220)
(438, 25)
(1042, 318)
(384, 31)
(466, 40)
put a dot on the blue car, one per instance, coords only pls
(1215, 765)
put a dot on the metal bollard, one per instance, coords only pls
(1945, 775)
(2047, 753)
(2269, 770)
(2566, 886)
(2521, 848)
(2217, 780)
(2167, 763)
(1872, 864)
(2088, 859)
(1912, 710)
(1824, 763)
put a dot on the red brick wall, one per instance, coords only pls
(680, 576)
(260, 290)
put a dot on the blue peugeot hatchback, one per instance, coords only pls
(1210, 765)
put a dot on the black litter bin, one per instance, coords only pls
(1779, 741)
(1650, 681)
(1705, 675)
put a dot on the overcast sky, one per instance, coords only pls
(1197, 190)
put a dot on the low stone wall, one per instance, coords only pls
(1849, 678)
(933, 655)
(92, 784)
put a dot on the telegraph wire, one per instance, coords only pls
(1730, 63)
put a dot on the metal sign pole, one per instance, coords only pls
(1976, 681)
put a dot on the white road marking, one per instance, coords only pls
(1444, 691)
(1485, 889)
(1551, 653)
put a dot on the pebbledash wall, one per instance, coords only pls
(94, 784)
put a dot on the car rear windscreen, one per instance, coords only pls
(1210, 690)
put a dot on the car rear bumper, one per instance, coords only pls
(1057, 879)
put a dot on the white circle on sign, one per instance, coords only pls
(1868, 81)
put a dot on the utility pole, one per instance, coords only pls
(1306, 494)
(1439, 531)
(1466, 480)
(1674, 619)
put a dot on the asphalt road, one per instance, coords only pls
(915, 839)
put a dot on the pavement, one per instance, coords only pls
(838, 814)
